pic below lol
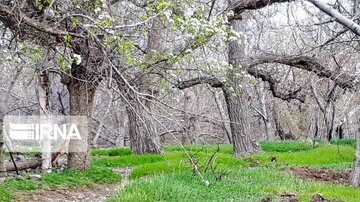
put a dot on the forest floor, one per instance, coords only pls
(284, 171)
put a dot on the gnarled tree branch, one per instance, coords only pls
(342, 79)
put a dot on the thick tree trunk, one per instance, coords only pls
(235, 97)
(242, 143)
(142, 131)
(143, 134)
(355, 172)
(81, 95)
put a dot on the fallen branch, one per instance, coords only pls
(23, 165)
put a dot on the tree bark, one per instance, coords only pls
(265, 116)
(2, 115)
(225, 125)
(188, 136)
(102, 120)
(143, 134)
(144, 137)
(23, 165)
(44, 104)
(2, 162)
(81, 95)
(355, 172)
(236, 97)
(242, 143)
(329, 116)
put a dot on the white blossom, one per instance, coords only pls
(77, 58)
(97, 10)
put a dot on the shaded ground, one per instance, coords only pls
(321, 174)
(78, 194)
(289, 197)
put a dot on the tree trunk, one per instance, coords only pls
(2, 141)
(142, 130)
(225, 126)
(355, 172)
(340, 132)
(143, 134)
(102, 120)
(2, 115)
(268, 126)
(44, 104)
(81, 95)
(188, 136)
(329, 116)
(242, 143)
(236, 97)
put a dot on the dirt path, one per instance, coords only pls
(79, 194)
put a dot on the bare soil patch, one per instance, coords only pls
(321, 174)
(285, 197)
(78, 194)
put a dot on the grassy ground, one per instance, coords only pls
(243, 182)
(170, 177)
(70, 178)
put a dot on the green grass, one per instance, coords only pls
(242, 184)
(285, 146)
(224, 148)
(4, 193)
(70, 178)
(178, 161)
(323, 156)
(128, 160)
(174, 159)
(169, 177)
(90, 177)
(349, 142)
(111, 152)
